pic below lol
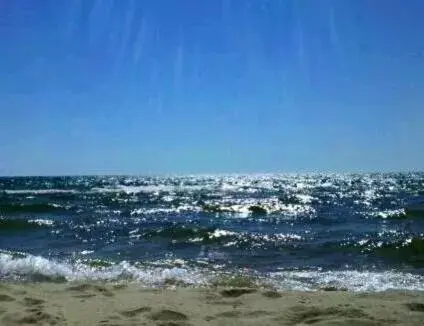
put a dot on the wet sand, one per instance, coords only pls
(108, 304)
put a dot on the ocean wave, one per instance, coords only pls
(155, 189)
(40, 191)
(41, 221)
(251, 206)
(415, 211)
(408, 250)
(240, 207)
(29, 208)
(210, 235)
(407, 212)
(178, 232)
(225, 184)
(164, 210)
(390, 213)
(22, 224)
(29, 267)
(33, 268)
(247, 240)
(356, 281)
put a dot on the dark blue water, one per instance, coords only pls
(294, 231)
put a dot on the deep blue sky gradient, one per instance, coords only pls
(191, 86)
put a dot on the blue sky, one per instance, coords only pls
(190, 86)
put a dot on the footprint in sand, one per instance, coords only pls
(84, 288)
(134, 312)
(237, 292)
(38, 317)
(326, 316)
(229, 314)
(6, 298)
(272, 294)
(167, 315)
(112, 321)
(216, 299)
(33, 302)
(237, 314)
(415, 306)
(258, 313)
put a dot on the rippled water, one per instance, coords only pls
(293, 231)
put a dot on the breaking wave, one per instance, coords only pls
(20, 266)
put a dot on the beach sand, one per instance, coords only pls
(108, 304)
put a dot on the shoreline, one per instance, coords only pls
(110, 304)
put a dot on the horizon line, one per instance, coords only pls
(176, 174)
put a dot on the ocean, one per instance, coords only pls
(289, 231)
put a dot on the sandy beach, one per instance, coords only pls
(108, 304)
